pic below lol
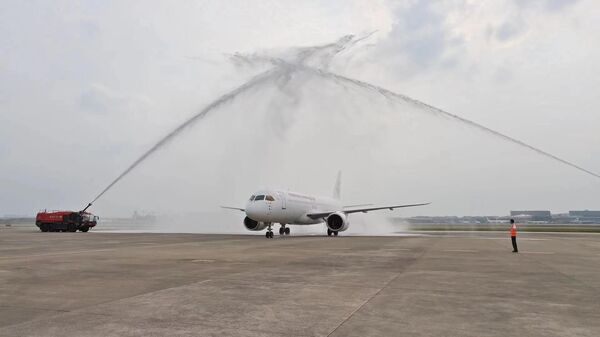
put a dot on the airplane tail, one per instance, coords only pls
(337, 189)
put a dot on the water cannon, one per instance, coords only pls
(86, 207)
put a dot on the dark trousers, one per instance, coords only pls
(514, 242)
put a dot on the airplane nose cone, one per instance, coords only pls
(258, 211)
(251, 211)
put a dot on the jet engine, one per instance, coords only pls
(252, 225)
(337, 222)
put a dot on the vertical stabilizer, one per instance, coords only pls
(337, 189)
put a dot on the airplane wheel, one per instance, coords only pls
(281, 230)
(287, 231)
(329, 232)
(335, 233)
(267, 235)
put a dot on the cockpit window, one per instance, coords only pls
(269, 198)
(252, 198)
(259, 197)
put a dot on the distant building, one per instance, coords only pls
(585, 216)
(532, 215)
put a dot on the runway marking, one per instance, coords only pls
(503, 238)
(54, 254)
(403, 249)
(461, 250)
(201, 260)
(545, 253)
(491, 238)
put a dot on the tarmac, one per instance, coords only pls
(458, 284)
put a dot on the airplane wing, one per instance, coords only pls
(234, 208)
(357, 205)
(318, 215)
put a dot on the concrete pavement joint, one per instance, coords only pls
(55, 254)
(460, 250)
(380, 290)
(101, 303)
(310, 285)
(31, 308)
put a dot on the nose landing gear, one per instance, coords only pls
(269, 233)
(330, 232)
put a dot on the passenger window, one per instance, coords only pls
(259, 197)
(269, 198)
(251, 198)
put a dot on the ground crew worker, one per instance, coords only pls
(513, 235)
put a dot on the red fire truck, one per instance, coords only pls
(65, 221)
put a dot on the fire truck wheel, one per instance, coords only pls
(84, 229)
(44, 227)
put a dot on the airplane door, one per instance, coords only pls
(283, 197)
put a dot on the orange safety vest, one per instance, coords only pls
(513, 230)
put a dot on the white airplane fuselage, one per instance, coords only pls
(268, 207)
(288, 207)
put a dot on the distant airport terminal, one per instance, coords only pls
(541, 217)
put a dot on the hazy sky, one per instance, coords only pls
(86, 87)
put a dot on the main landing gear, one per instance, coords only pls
(284, 230)
(330, 232)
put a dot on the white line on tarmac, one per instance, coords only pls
(495, 238)
(460, 250)
(53, 254)
(505, 238)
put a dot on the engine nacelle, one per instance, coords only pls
(252, 225)
(338, 222)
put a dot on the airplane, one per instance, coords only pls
(266, 207)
